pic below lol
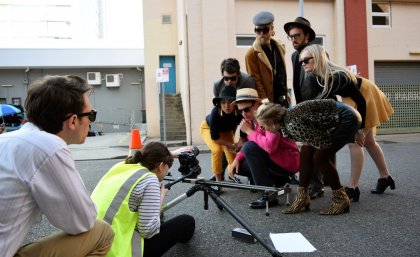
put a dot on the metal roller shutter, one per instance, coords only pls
(400, 81)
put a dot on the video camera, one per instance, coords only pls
(189, 163)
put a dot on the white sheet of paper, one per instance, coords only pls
(291, 243)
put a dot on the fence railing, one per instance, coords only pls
(405, 99)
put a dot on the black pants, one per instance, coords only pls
(177, 230)
(260, 169)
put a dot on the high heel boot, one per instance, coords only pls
(340, 203)
(353, 193)
(382, 184)
(302, 199)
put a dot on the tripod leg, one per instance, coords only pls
(218, 200)
(206, 200)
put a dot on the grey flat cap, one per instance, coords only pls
(263, 18)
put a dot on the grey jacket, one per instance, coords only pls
(244, 81)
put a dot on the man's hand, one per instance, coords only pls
(245, 127)
(176, 152)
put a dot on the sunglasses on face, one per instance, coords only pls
(264, 30)
(305, 60)
(294, 36)
(246, 109)
(233, 78)
(91, 115)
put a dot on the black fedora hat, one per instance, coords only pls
(303, 23)
(227, 92)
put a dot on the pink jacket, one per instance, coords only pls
(282, 151)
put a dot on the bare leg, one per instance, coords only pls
(357, 159)
(375, 151)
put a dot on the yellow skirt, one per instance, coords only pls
(378, 108)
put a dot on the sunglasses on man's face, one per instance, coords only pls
(264, 30)
(233, 78)
(246, 109)
(91, 115)
(305, 60)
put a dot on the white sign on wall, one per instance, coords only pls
(162, 75)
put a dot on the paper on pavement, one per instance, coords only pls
(291, 243)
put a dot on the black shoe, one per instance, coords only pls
(294, 180)
(260, 202)
(213, 178)
(316, 192)
(382, 184)
(235, 179)
(353, 193)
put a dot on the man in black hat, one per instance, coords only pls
(305, 87)
(300, 33)
(265, 61)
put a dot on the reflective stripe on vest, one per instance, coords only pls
(111, 197)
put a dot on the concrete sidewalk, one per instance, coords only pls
(115, 145)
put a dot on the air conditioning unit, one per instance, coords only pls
(112, 80)
(94, 78)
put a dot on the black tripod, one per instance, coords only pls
(206, 187)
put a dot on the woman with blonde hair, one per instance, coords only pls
(368, 99)
(324, 126)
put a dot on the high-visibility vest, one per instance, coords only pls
(111, 197)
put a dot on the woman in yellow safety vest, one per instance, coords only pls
(129, 197)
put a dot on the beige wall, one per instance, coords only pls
(394, 43)
(159, 39)
(212, 29)
(208, 28)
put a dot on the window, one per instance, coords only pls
(319, 40)
(381, 14)
(245, 40)
(17, 101)
(2, 100)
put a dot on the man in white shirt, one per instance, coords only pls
(38, 175)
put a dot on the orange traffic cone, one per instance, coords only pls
(135, 142)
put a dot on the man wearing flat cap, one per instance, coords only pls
(305, 87)
(265, 61)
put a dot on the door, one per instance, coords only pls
(169, 62)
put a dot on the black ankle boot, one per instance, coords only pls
(382, 184)
(353, 193)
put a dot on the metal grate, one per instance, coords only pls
(405, 99)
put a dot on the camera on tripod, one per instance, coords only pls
(188, 163)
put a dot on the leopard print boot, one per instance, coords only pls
(302, 200)
(340, 203)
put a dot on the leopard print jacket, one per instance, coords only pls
(311, 122)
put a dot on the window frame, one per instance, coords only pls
(382, 14)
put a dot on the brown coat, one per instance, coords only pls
(259, 67)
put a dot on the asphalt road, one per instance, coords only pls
(378, 225)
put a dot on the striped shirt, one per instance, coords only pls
(145, 198)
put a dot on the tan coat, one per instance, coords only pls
(259, 67)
